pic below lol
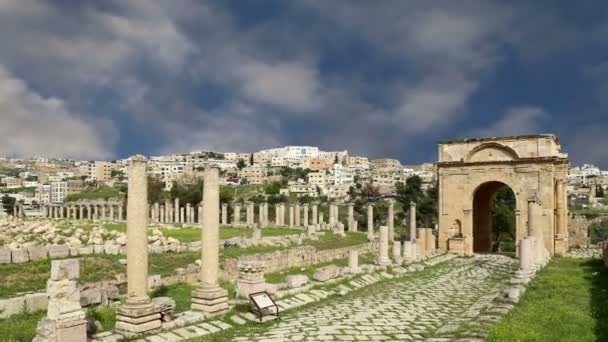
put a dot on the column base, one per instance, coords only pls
(133, 320)
(211, 300)
(561, 245)
(61, 330)
(384, 262)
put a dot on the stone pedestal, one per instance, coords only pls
(407, 250)
(250, 278)
(211, 300)
(65, 321)
(383, 259)
(397, 252)
(311, 230)
(353, 261)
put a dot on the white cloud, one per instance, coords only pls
(33, 125)
(517, 121)
(288, 85)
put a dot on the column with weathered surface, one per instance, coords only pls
(535, 229)
(391, 220)
(112, 218)
(156, 212)
(282, 214)
(370, 221)
(261, 218)
(224, 213)
(236, 219)
(314, 215)
(120, 214)
(383, 259)
(81, 212)
(305, 215)
(412, 234)
(162, 214)
(297, 214)
(209, 297)
(561, 224)
(396, 251)
(353, 261)
(188, 213)
(138, 314)
(176, 211)
(291, 215)
(266, 221)
(182, 215)
(351, 218)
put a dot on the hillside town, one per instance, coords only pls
(297, 171)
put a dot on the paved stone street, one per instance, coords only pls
(442, 303)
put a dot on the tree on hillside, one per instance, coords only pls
(8, 203)
(503, 216)
(155, 189)
(241, 164)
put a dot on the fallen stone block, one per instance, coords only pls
(326, 273)
(90, 296)
(12, 306)
(35, 302)
(5, 256)
(296, 280)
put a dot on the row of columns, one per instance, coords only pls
(111, 212)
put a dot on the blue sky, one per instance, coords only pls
(107, 79)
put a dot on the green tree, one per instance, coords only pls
(241, 164)
(599, 191)
(155, 189)
(503, 219)
(598, 232)
(8, 203)
(273, 188)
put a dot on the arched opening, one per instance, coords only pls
(493, 218)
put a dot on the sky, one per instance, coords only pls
(106, 79)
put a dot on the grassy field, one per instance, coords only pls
(567, 301)
(32, 276)
(188, 234)
(20, 328)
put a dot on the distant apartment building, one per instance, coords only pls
(43, 193)
(318, 178)
(30, 184)
(254, 174)
(294, 151)
(301, 190)
(58, 191)
(341, 175)
(317, 164)
(235, 157)
(100, 171)
(278, 161)
(74, 186)
(385, 164)
(337, 191)
(361, 163)
(12, 182)
(261, 158)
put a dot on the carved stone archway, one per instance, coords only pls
(532, 166)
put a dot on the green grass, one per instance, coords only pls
(20, 328)
(166, 263)
(331, 241)
(567, 301)
(188, 234)
(119, 227)
(105, 315)
(180, 292)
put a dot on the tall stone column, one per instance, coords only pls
(176, 211)
(337, 214)
(321, 218)
(331, 219)
(291, 215)
(112, 212)
(81, 212)
(391, 220)
(282, 214)
(413, 229)
(351, 218)
(162, 214)
(224, 213)
(277, 214)
(353, 261)
(61, 211)
(182, 215)
(167, 217)
(200, 213)
(261, 218)
(156, 212)
(561, 229)
(120, 215)
(315, 218)
(397, 251)
(89, 213)
(383, 259)
(526, 254)
(188, 213)
(237, 215)
(103, 212)
(191, 215)
(305, 216)
(209, 297)
(248, 215)
(535, 229)
(370, 221)
(297, 214)
(137, 315)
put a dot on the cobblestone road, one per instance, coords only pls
(442, 303)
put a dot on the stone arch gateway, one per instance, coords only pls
(471, 170)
